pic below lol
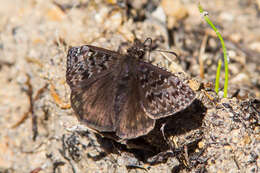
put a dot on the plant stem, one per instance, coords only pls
(224, 53)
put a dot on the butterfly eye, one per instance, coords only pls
(141, 53)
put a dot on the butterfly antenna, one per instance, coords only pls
(166, 51)
(168, 60)
(148, 42)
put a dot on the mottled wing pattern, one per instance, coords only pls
(87, 63)
(91, 76)
(163, 93)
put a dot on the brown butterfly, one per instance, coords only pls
(121, 93)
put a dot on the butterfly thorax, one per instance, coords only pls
(127, 68)
(137, 51)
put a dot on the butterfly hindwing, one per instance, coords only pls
(163, 93)
(132, 121)
(95, 110)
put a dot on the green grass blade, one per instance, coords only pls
(224, 53)
(218, 76)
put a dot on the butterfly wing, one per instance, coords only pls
(93, 104)
(87, 63)
(132, 121)
(164, 94)
(91, 77)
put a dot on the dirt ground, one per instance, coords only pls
(35, 37)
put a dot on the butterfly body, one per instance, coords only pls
(113, 92)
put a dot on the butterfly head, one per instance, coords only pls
(139, 49)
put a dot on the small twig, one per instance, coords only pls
(57, 98)
(186, 156)
(24, 117)
(36, 170)
(33, 149)
(29, 94)
(34, 61)
(31, 107)
(165, 56)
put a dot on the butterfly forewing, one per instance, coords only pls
(88, 63)
(91, 76)
(163, 93)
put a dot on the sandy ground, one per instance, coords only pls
(35, 37)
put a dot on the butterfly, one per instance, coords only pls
(122, 93)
